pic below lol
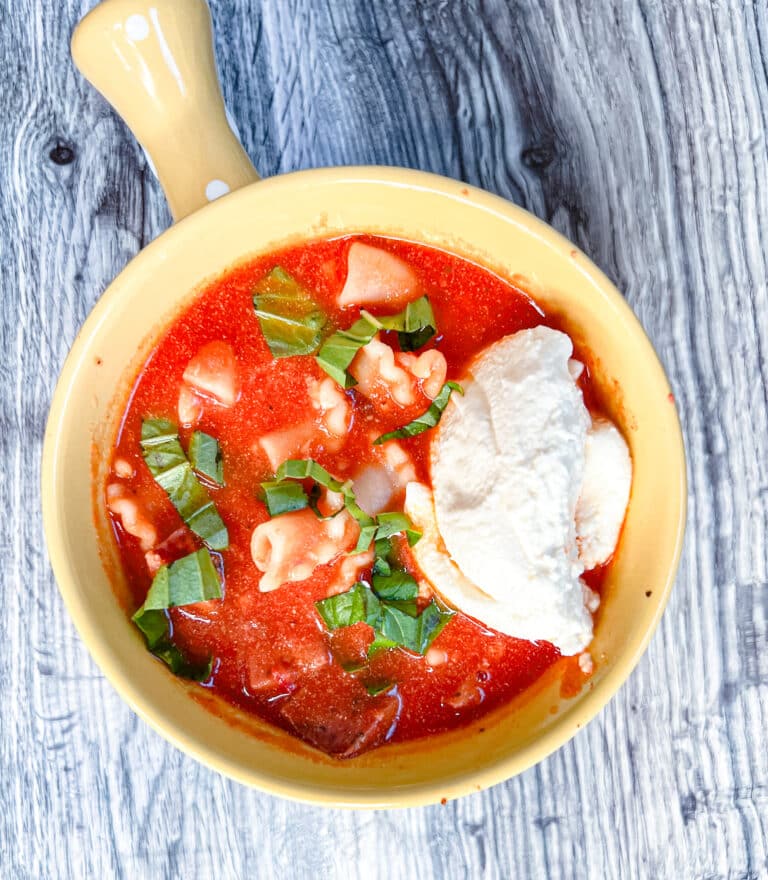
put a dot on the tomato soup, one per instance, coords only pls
(228, 387)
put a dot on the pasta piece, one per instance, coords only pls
(379, 370)
(429, 366)
(376, 372)
(350, 570)
(287, 443)
(332, 405)
(378, 487)
(376, 277)
(289, 547)
(213, 372)
(123, 503)
(189, 407)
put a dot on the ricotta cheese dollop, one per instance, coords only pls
(508, 467)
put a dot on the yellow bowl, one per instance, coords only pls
(258, 219)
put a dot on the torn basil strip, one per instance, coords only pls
(291, 321)
(193, 578)
(394, 627)
(172, 470)
(284, 497)
(206, 458)
(415, 326)
(340, 348)
(358, 605)
(372, 528)
(426, 420)
(157, 633)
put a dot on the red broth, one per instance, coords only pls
(272, 655)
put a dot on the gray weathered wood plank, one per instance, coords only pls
(636, 127)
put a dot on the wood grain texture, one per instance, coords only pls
(636, 127)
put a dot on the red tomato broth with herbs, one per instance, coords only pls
(272, 654)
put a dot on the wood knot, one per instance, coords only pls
(538, 156)
(62, 153)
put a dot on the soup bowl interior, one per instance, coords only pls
(267, 215)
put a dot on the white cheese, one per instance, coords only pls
(604, 493)
(507, 468)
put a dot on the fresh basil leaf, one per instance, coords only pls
(340, 348)
(396, 622)
(426, 420)
(193, 578)
(180, 666)
(307, 468)
(380, 643)
(291, 321)
(154, 625)
(415, 326)
(432, 622)
(358, 605)
(171, 469)
(284, 497)
(206, 458)
(398, 586)
(393, 523)
(156, 629)
(367, 533)
(399, 627)
(375, 688)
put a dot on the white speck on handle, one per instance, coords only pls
(136, 28)
(216, 189)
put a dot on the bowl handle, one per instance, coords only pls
(153, 61)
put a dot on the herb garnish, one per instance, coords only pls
(415, 326)
(426, 420)
(283, 497)
(394, 627)
(193, 578)
(206, 458)
(170, 467)
(291, 321)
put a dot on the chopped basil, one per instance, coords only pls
(191, 579)
(398, 586)
(284, 497)
(358, 605)
(393, 523)
(171, 469)
(415, 326)
(340, 348)
(372, 528)
(308, 469)
(291, 321)
(393, 626)
(157, 633)
(206, 458)
(426, 420)
(375, 688)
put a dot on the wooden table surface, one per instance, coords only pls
(637, 128)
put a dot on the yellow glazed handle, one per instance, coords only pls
(153, 61)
